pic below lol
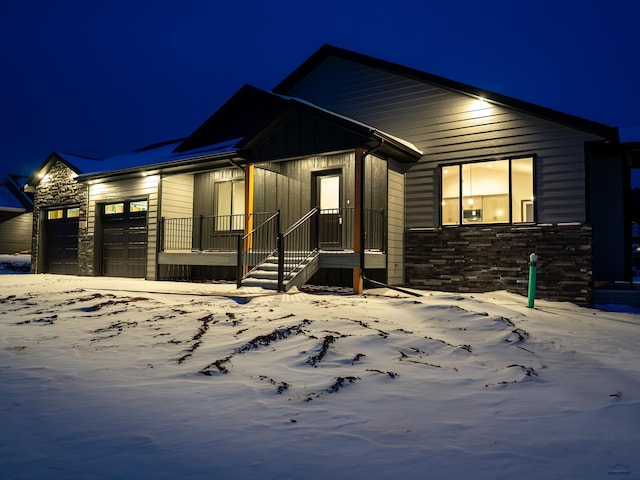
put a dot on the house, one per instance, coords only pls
(15, 215)
(262, 169)
(352, 169)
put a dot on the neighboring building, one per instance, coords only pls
(15, 215)
(352, 162)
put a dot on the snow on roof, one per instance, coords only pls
(157, 155)
(8, 201)
(12, 197)
(79, 162)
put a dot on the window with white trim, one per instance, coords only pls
(497, 191)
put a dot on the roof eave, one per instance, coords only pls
(408, 151)
(174, 166)
(13, 209)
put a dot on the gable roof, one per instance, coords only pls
(353, 133)
(234, 131)
(12, 196)
(326, 51)
(245, 109)
(77, 163)
(253, 115)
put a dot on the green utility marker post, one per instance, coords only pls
(533, 261)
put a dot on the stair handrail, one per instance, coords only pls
(303, 219)
(290, 259)
(249, 259)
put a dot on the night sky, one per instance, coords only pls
(102, 78)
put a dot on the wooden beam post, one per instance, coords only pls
(249, 180)
(358, 209)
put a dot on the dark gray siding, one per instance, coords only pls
(288, 185)
(15, 232)
(203, 188)
(450, 127)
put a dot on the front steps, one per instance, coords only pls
(265, 275)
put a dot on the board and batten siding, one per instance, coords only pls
(395, 228)
(452, 127)
(129, 189)
(290, 184)
(204, 188)
(177, 196)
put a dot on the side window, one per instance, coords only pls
(229, 205)
(499, 191)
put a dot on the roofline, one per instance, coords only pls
(38, 173)
(18, 192)
(590, 126)
(366, 132)
(174, 166)
(14, 209)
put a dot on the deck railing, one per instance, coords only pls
(256, 246)
(336, 229)
(205, 232)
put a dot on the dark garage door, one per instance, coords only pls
(61, 241)
(124, 239)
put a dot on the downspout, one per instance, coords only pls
(160, 224)
(362, 236)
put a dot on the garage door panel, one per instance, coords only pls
(124, 241)
(61, 242)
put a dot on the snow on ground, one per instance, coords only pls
(16, 263)
(106, 378)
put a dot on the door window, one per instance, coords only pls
(329, 193)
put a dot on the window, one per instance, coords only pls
(113, 208)
(138, 206)
(55, 214)
(229, 206)
(499, 191)
(73, 212)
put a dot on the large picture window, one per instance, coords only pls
(499, 191)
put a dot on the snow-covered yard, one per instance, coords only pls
(106, 378)
(16, 263)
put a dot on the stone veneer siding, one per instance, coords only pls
(485, 258)
(59, 188)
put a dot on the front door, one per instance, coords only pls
(328, 188)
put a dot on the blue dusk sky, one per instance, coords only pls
(103, 78)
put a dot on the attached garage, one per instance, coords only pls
(124, 239)
(61, 240)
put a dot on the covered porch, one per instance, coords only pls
(305, 190)
(269, 256)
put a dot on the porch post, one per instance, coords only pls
(358, 208)
(249, 179)
(249, 172)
